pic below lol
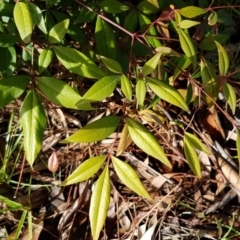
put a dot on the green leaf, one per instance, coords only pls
(126, 87)
(33, 121)
(105, 39)
(196, 143)
(230, 96)
(37, 16)
(167, 93)
(11, 88)
(167, 51)
(112, 65)
(188, 47)
(131, 21)
(100, 90)
(44, 59)
(208, 43)
(11, 205)
(99, 203)
(185, 24)
(7, 61)
(146, 141)
(151, 64)
(86, 170)
(78, 63)
(209, 80)
(58, 32)
(183, 63)
(141, 91)
(23, 20)
(129, 177)
(7, 40)
(192, 11)
(212, 18)
(116, 7)
(95, 131)
(147, 8)
(192, 157)
(223, 59)
(60, 93)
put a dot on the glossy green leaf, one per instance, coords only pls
(196, 143)
(116, 7)
(151, 64)
(129, 177)
(167, 93)
(192, 157)
(147, 7)
(188, 47)
(147, 28)
(58, 32)
(11, 88)
(105, 39)
(8, 60)
(37, 17)
(23, 20)
(77, 62)
(230, 96)
(7, 40)
(185, 24)
(100, 90)
(85, 16)
(60, 93)
(209, 80)
(167, 51)
(95, 131)
(86, 170)
(183, 63)
(146, 141)
(126, 87)
(208, 43)
(99, 203)
(141, 90)
(192, 11)
(212, 18)
(223, 59)
(131, 21)
(44, 59)
(112, 64)
(33, 121)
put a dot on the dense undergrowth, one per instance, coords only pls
(119, 119)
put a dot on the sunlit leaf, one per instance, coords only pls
(117, 7)
(23, 20)
(129, 177)
(192, 11)
(33, 121)
(126, 87)
(37, 16)
(212, 18)
(86, 170)
(230, 96)
(112, 64)
(100, 90)
(60, 93)
(192, 157)
(95, 131)
(99, 203)
(223, 59)
(151, 64)
(146, 141)
(11, 205)
(185, 24)
(125, 141)
(167, 93)
(44, 59)
(147, 7)
(78, 63)
(188, 47)
(11, 88)
(58, 32)
(105, 39)
(196, 143)
(167, 51)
